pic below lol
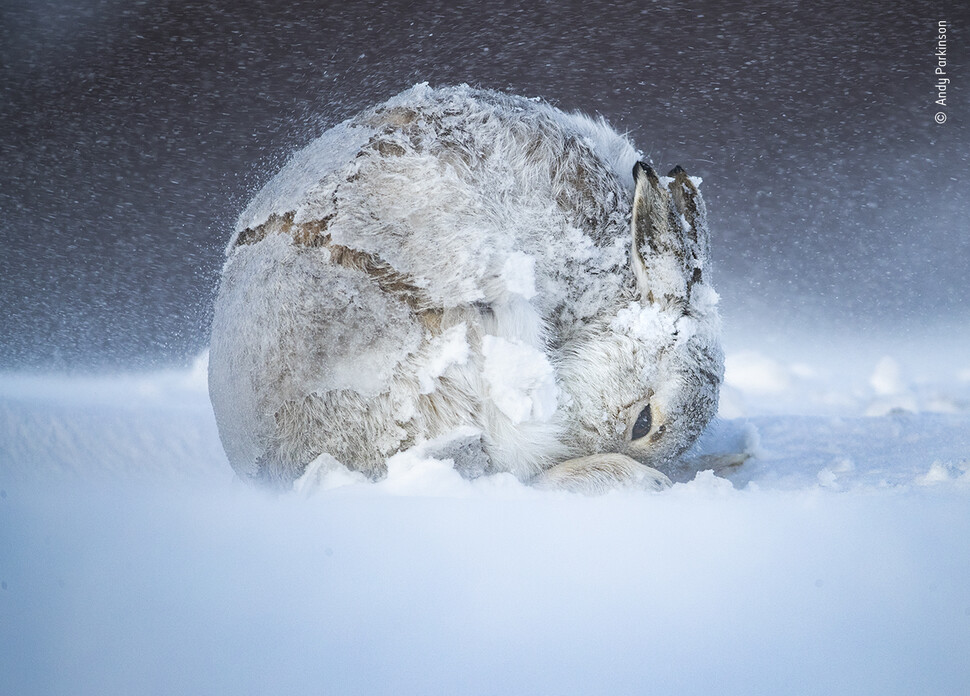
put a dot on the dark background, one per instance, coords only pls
(132, 134)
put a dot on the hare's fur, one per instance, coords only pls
(465, 262)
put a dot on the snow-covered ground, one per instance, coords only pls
(835, 560)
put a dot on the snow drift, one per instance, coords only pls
(833, 561)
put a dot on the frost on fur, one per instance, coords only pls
(459, 261)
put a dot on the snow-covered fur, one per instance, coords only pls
(474, 268)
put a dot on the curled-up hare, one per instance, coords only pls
(477, 269)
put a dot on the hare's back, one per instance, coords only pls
(454, 189)
(371, 281)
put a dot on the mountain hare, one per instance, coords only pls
(475, 269)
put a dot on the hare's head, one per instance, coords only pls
(644, 382)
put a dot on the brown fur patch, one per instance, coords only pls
(313, 234)
(396, 117)
(307, 234)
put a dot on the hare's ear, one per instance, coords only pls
(692, 212)
(670, 236)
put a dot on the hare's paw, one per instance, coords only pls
(600, 473)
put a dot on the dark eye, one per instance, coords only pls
(643, 424)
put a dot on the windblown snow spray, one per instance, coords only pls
(478, 274)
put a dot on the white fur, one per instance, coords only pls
(519, 310)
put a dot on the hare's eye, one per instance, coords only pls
(643, 424)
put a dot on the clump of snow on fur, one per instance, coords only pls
(519, 274)
(646, 323)
(521, 380)
(704, 299)
(450, 348)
